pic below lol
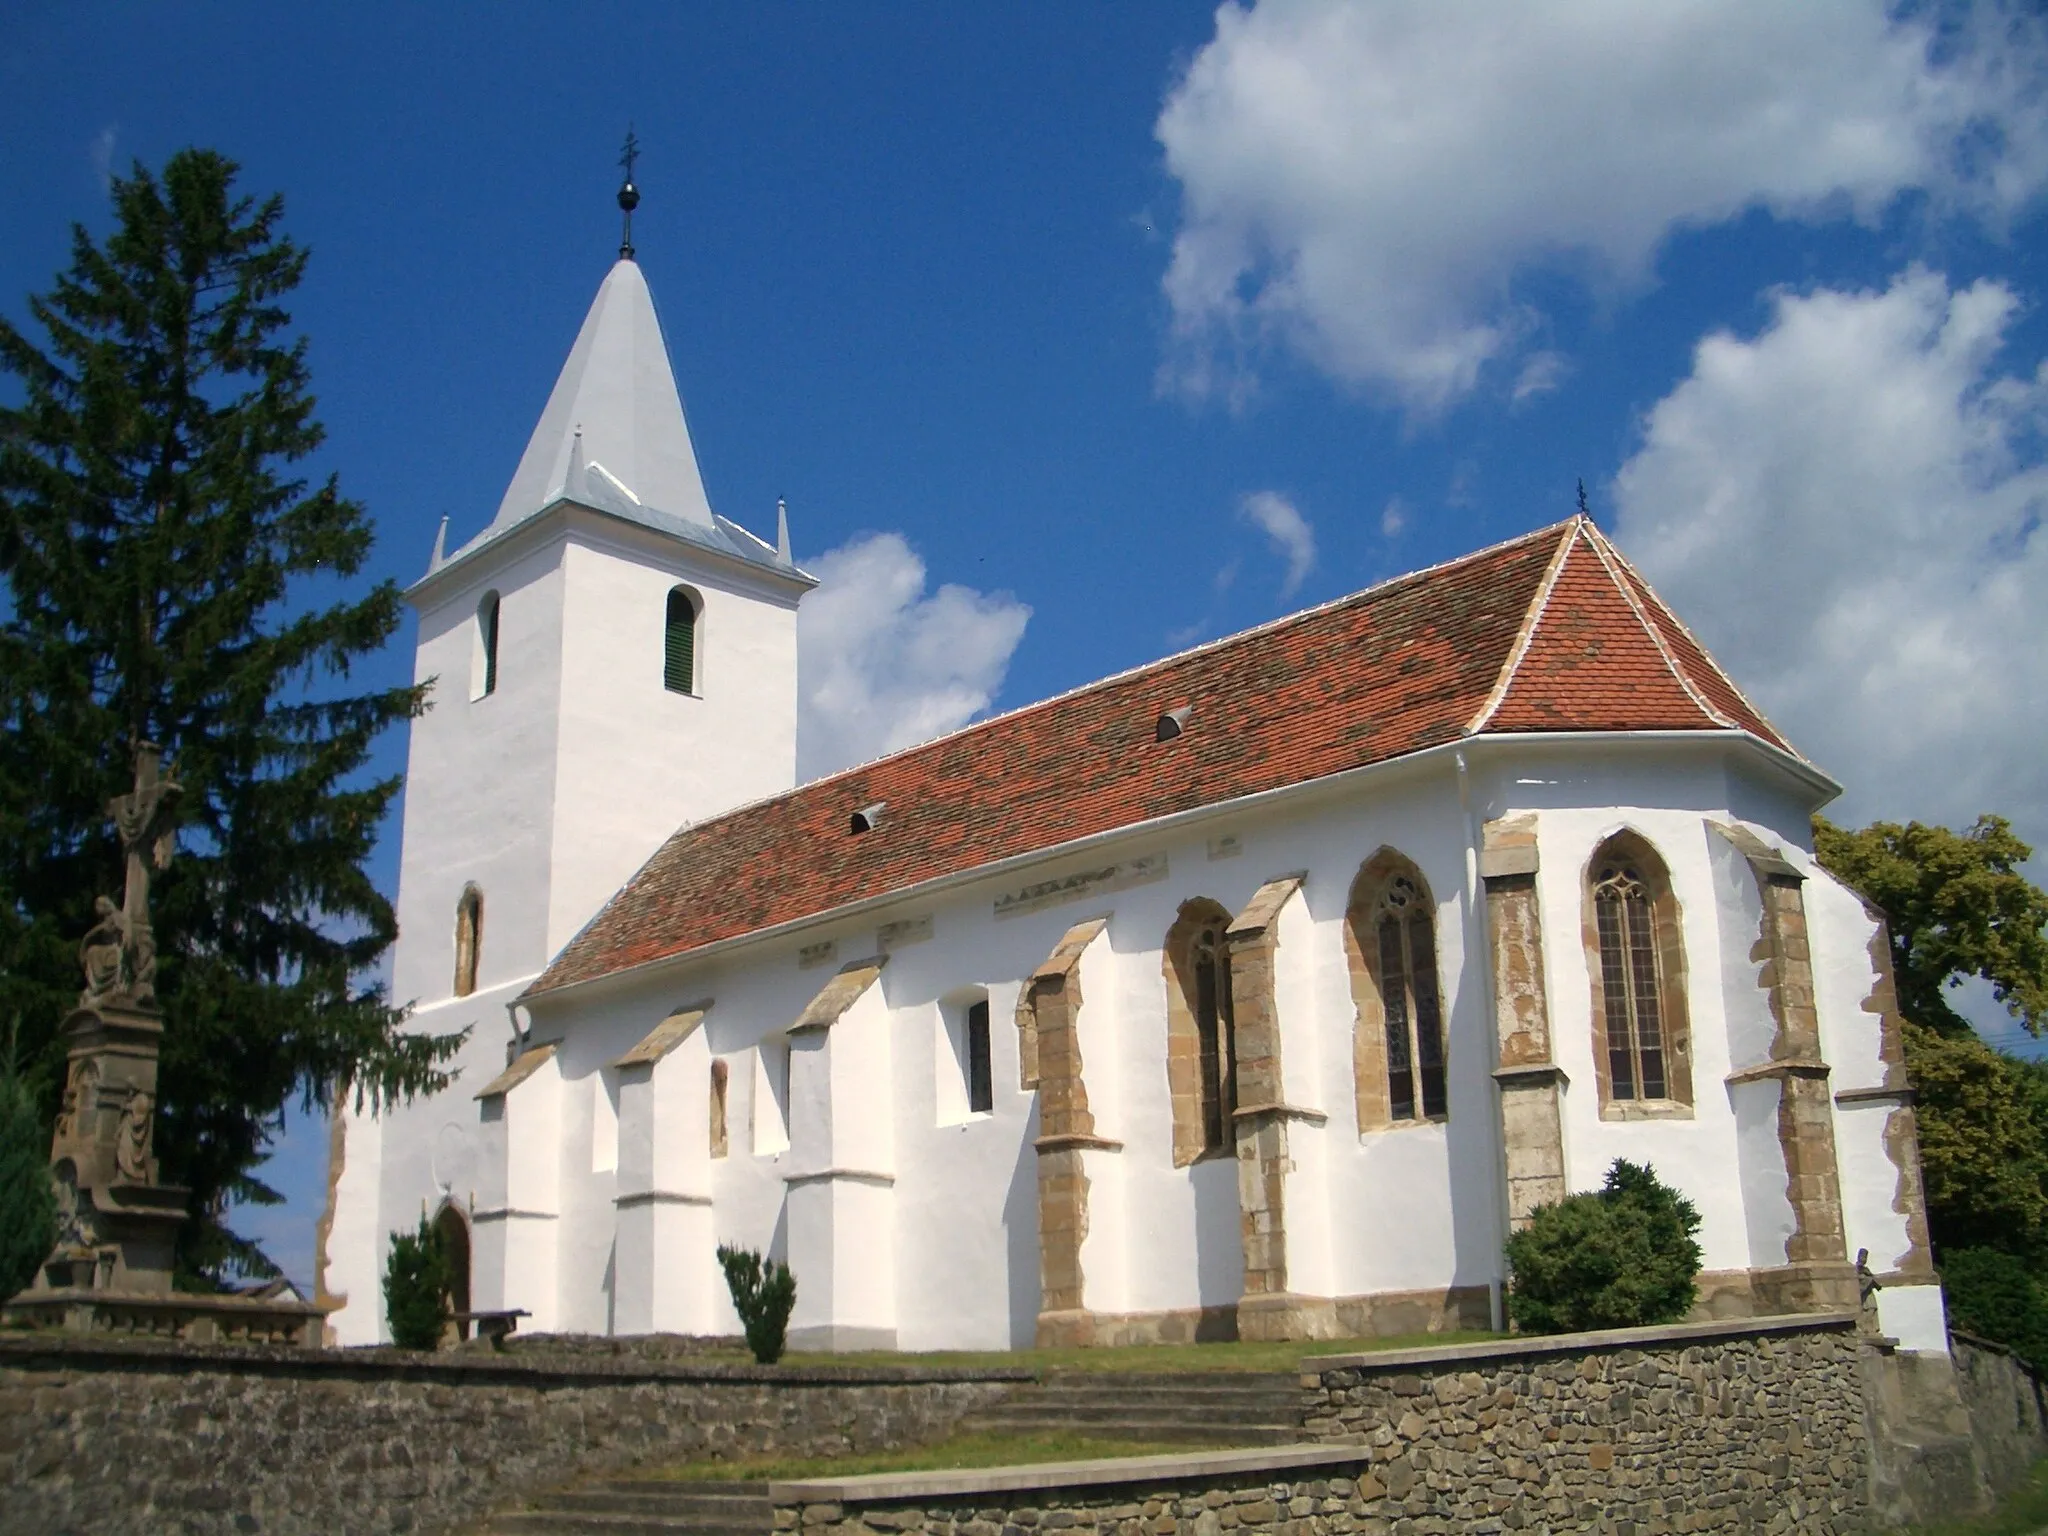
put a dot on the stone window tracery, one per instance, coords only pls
(1638, 972)
(1399, 1054)
(1201, 1048)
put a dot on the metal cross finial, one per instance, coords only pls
(629, 195)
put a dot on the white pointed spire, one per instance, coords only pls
(440, 546)
(782, 531)
(615, 406)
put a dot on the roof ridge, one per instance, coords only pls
(1302, 615)
(1602, 551)
(1533, 618)
(1650, 593)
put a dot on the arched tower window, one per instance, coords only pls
(679, 642)
(1398, 1048)
(1201, 1045)
(469, 939)
(483, 680)
(1637, 961)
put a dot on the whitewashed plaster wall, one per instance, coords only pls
(1413, 1208)
(635, 761)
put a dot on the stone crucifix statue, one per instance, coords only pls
(119, 954)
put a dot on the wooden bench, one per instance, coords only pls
(493, 1325)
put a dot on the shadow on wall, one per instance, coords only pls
(1020, 1237)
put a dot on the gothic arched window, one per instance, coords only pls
(1201, 1046)
(469, 939)
(1638, 967)
(679, 642)
(1398, 1050)
(483, 680)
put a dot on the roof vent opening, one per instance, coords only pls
(867, 818)
(1172, 723)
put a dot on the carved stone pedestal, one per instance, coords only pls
(117, 1226)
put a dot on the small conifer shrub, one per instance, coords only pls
(764, 1294)
(1623, 1256)
(28, 1204)
(416, 1280)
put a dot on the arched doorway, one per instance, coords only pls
(454, 1235)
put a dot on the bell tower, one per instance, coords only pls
(607, 660)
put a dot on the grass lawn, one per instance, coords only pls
(2024, 1512)
(1235, 1356)
(944, 1456)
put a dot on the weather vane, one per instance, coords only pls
(629, 195)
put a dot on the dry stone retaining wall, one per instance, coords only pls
(113, 1438)
(1753, 1426)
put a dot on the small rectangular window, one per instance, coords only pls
(980, 1082)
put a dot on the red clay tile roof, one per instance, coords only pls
(1539, 633)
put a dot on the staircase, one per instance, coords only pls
(642, 1507)
(1172, 1407)
(1216, 1408)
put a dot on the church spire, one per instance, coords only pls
(629, 195)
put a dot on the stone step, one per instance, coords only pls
(632, 1506)
(655, 1499)
(1175, 1431)
(535, 1522)
(1206, 1402)
(1041, 1411)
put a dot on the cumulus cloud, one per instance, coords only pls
(1293, 536)
(1393, 517)
(1847, 507)
(881, 665)
(1360, 184)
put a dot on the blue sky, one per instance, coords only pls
(1075, 333)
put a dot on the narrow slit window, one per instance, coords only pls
(679, 644)
(981, 1097)
(484, 672)
(469, 939)
(720, 1074)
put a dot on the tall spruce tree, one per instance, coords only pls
(169, 578)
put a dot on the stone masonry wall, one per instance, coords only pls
(1699, 1427)
(117, 1438)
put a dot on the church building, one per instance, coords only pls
(1258, 992)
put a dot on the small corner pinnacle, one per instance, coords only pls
(440, 554)
(782, 531)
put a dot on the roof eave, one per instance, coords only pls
(423, 592)
(1773, 757)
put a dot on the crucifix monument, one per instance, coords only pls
(117, 1227)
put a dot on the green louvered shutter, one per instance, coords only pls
(679, 657)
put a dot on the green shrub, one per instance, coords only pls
(763, 1294)
(416, 1280)
(1997, 1297)
(1621, 1257)
(28, 1204)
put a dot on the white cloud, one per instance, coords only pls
(1360, 184)
(883, 666)
(1393, 517)
(1293, 536)
(1541, 373)
(1847, 507)
(101, 152)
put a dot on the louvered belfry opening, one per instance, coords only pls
(679, 643)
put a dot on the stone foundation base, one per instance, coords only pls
(1776, 1292)
(196, 1319)
(1277, 1318)
(1287, 1316)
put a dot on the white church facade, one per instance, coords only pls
(1257, 992)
